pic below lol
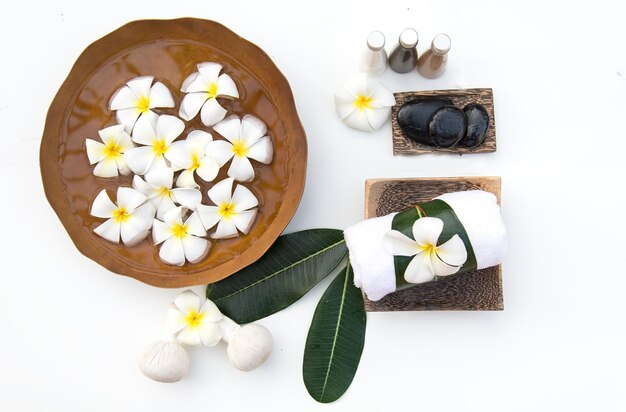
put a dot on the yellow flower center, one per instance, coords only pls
(179, 231)
(195, 161)
(143, 104)
(112, 150)
(429, 249)
(240, 148)
(212, 90)
(194, 319)
(120, 215)
(227, 210)
(363, 102)
(159, 147)
(164, 192)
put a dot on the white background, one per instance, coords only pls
(70, 331)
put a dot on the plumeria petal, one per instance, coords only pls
(211, 312)
(210, 71)
(169, 128)
(209, 215)
(243, 199)
(160, 231)
(174, 217)
(208, 169)
(241, 169)
(158, 163)
(102, 206)
(106, 168)
(427, 230)
(122, 167)
(252, 129)
(141, 85)
(212, 112)
(196, 248)
(161, 178)
(123, 98)
(128, 118)
(179, 155)
(191, 104)
(225, 229)
(172, 252)
(95, 151)
(189, 336)
(132, 234)
(226, 87)
(187, 180)
(210, 334)
(189, 301)
(440, 268)
(221, 151)
(376, 117)
(353, 88)
(358, 120)
(129, 198)
(453, 251)
(165, 205)
(197, 140)
(262, 151)
(189, 198)
(344, 108)
(144, 131)
(160, 96)
(229, 128)
(244, 220)
(381, 96)
(194, 225)
(187, 87)
(419, 269)
(140, 159)
(398, 244)
(222, 191)
(110, 230)
(175, 320)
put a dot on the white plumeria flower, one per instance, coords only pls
(430, 260)
(131, 217)
(203, 88)
(157, 135)
(190, 155)
(232, 211)
(194, 320)
(108, 155)
(136, 98)
(158, 189)
(247, 139)
(364, 103)
(182, 240)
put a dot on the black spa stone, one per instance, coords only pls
(414, 117)
(477, 125)
(447, 126)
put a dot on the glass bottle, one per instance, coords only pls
(374, 60)
(432, 64)
(403, 58)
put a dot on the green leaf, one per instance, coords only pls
(335, 341)
(289, 269)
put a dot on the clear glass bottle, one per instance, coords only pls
(432, 64)
(374, 59)
(403, 58)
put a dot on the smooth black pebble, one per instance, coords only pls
(414, 117)
(477, 125)
(447, 126)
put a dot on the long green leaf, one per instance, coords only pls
(335, 341)
(289, 269)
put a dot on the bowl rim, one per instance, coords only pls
(88, 61)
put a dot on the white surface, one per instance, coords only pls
(71, 331)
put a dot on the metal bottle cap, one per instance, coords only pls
(441, 44)
(376, 41)
(408, 38)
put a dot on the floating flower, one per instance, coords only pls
(182, 240)
(157, 135)
(134, 101)
(247, 140)
(430, 260)
(203, 88)
(158, 189)
(232, 211)
(194, 320)
(108, 155)
(131, 217)
(364, 103)
(190, 156)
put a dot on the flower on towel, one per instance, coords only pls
(429, 259)
(194, 320)
(203, 88)
(364, 103)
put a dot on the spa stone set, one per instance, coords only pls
(193, 175)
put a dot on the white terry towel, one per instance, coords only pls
(374, 272)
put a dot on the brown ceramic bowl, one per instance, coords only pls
(169, 50)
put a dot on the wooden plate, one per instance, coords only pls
(478, 290)
(170, 50)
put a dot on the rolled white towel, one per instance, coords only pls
(373, 265)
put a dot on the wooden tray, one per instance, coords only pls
(402, 145)
(478, 290)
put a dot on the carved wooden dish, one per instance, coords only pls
(403, 145)
(478, 290)
(170, 50)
